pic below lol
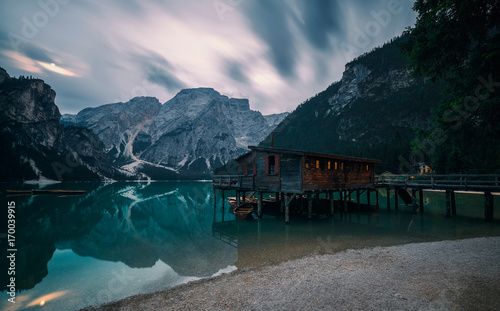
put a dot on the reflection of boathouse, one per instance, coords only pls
(290, 172)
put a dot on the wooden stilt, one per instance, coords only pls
(421, 200)
(215, 203)
(396, 199)
(238, 198)
(287, 208)
(309, 205)
(223, 201)
(243, 197)
(368, 197)
(388, 199)
(332, 208)
(287, 213)
(282, 203)
(341, 201)
(345, 201)
(358, 201)
(376, 198)
(488, 206)
(453, 204)
(259, 204)
(448, 203)
(414, 200)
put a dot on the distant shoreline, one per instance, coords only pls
(451, 275)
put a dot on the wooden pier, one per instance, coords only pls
(408, 186)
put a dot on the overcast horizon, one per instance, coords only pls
(274, 53)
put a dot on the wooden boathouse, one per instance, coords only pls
(293, 173)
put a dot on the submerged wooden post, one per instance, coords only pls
(243, 196)
(376, 198)
(388, 190)
(368, 197)
(488, 206)
(448, 203)
(421, 199)
(396, 199)
(259, 204)
(309, 205)
(453, 204)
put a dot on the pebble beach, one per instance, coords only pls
(445, 275)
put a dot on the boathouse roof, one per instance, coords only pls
(306, 153)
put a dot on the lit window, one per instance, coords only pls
(307, 165)
(341, 166)
(336, 167)
(367, 167)
(329, 165)
(317, 163)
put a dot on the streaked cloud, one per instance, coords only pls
(53, 67)
(275, 53)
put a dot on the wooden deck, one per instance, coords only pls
(464, 182)
(403, 184)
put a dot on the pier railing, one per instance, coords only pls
(233, 181)
(485, 182)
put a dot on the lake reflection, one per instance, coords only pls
(122, 239)
(120, 235)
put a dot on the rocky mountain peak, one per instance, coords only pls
(3, 75)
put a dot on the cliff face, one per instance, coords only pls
(371, 112)
(33, 142)
(29, 104)
(118, 124)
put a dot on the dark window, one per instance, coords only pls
(272, 165)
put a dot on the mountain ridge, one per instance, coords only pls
(191, 134)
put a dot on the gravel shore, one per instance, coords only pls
(446, 275)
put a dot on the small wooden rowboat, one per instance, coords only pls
(243, 210)
(58, 192)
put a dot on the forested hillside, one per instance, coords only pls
(371, 112)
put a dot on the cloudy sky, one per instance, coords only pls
(276, 53)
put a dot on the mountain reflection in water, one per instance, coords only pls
(134, 223)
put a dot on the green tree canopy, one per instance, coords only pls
(459, 42)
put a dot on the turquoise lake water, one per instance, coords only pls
(123, 239)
